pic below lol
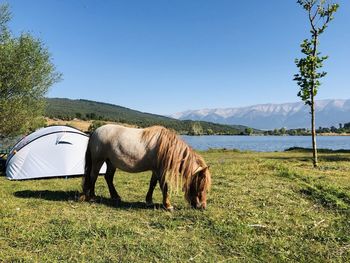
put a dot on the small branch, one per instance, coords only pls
(257, 226)
(192, 258)
(314, 16)
(319, 223)
(312, 20)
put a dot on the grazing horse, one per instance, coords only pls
(171, 160)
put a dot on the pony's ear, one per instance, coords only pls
(199, 169)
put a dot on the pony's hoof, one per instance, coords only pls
(87, 198)
(169, 208)
(93, 199)
(83, 198)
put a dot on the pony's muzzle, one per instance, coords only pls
(202, 206)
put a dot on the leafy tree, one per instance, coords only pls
(276, 132)
(283, 131)
(196, 129)
(37, 123)
(94, 125)
(320, 13)
(248, 131)
(294, 132)
(210, 131)
(26, 73)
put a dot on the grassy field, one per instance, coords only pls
(77, 123)
(263, 207)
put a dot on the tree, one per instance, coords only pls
(78, 115)
(294, 132)
(196, 129)
(283, 131)
(94, 125)
(26, 73)
(276, 132)
(333, 129)
(248, 131)
(320, 13)
(210, 131)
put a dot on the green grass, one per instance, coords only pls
(263, 207)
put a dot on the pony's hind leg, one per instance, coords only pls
(166, 201)
(89, 181)
(95, 169)
(152, 185)
(109, 179)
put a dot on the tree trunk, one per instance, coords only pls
(313, 123)
(313, 131)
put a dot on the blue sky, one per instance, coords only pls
(163, 56)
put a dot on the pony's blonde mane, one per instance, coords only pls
(175, 159)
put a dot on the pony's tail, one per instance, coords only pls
(86, 184)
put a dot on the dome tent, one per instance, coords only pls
(53, 151)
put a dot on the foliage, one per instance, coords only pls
(95, 124)
(196, 129)
(26, 73)
(320, 14)
(248, 131)
(67, 109)
(263, 207)
(343, 129)
(37, 122)
(308, 79)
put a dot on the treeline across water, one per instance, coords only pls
(342, 129)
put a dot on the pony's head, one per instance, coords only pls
(179, 164)
(199, 184)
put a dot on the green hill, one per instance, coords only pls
(68, 109)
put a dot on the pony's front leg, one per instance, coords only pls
(166, 201)
(152, 185)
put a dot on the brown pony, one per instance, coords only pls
(171, 160)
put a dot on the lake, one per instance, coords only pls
(252, 143)
(265, 143)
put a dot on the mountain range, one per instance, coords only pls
(270, 116)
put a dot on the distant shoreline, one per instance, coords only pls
(333, 134)
(276, 135)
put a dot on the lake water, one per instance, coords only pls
(266, 143)
(253, 143)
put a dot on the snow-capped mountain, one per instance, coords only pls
(270, 116)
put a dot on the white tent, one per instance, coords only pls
(54, 151)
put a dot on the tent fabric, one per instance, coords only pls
(53, 151)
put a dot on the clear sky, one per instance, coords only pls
(163, 56)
